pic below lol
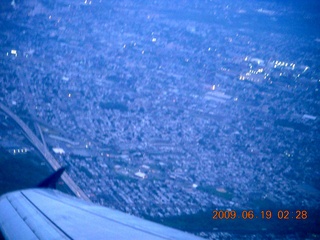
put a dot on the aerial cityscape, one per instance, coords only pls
(165, 110)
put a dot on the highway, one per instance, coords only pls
(45, 153)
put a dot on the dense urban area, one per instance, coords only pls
(162, 109)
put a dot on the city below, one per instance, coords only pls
(164, 111)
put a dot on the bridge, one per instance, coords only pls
(44, 152)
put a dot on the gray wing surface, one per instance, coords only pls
(51, 214)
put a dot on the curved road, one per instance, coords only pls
(45, 153)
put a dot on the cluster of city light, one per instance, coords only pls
(13, 52)
(283, 64)
(242, 78)
(260, 70)
(251, 72)
(23, 150)
(288, 154)
(86, 2)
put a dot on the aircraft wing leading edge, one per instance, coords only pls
(51, 214)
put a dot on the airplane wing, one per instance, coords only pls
(51, 214)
